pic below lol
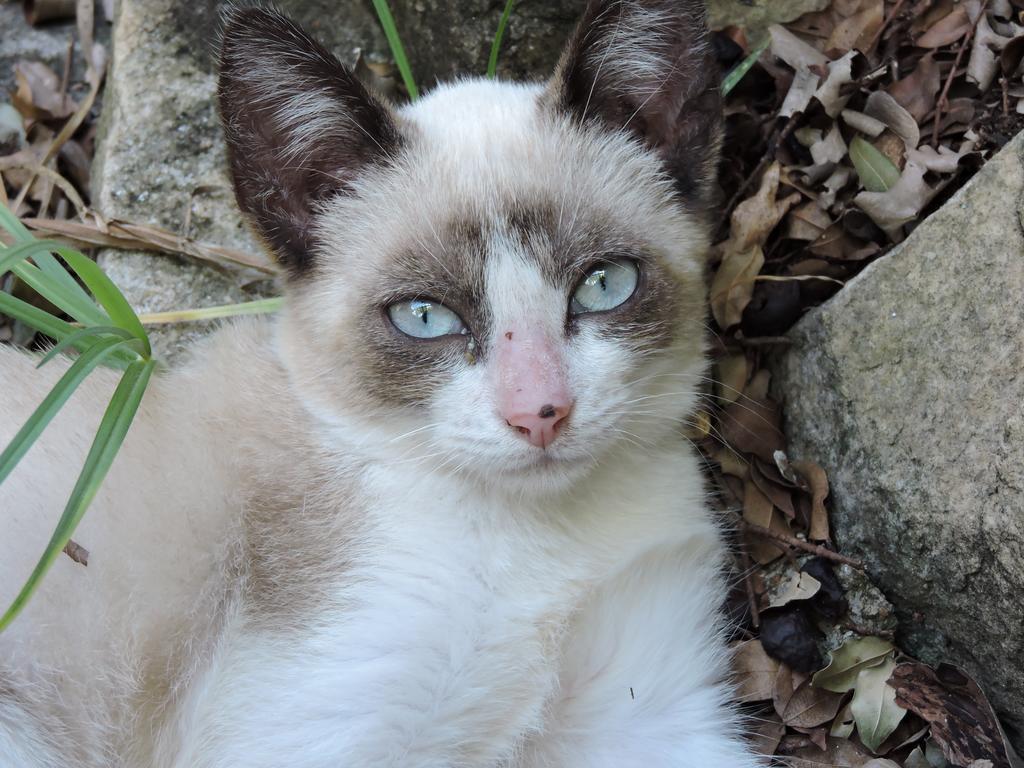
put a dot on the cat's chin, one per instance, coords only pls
(544, 473)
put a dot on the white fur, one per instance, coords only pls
(468, 606)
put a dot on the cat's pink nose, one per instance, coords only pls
(541, 427)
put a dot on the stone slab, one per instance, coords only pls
(908, 387)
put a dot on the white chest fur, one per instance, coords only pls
(444, 644)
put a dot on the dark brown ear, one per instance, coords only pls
(645, 66)
(299, 127)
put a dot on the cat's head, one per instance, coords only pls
(501, 280)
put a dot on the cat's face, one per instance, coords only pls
(498, 280)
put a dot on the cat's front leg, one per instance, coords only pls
(642, 674)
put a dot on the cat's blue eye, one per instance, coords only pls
(425, 319)
(605, 287)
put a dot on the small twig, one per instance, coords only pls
(943, 96)
(77, 552)
(794, 542)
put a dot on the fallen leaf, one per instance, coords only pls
(902, 203)
(884, 108)
(800, 586)
(947, 30)
(840, 753)
(863, 123)
(765, 734)
(962, 721)
(807, 706)
(752, 425)
(876, 172)
(818, 482)
(855, 32)
(830, 94)
(842, 726)
(731, 374)
(830, 149)
(754, 670)
(918, 91)
(733, 285)
(847, 661)
(881, 762)
(794, 51)
(38, 95)
(874, 706)
(800, 93)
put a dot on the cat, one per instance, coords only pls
(439, 513)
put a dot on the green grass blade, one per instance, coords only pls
(492, 63)
(12, 224)
(107, 294)
(73, 300)
(78, 339)
(83, 365)
(116, 420)
(34, 317)
(387, 22)
(737, 73)
(45, 261)
(256, 307)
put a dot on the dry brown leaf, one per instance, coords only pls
(771, 486)
(856, 32)
(962, 720)
(741, 255)
(818, 481)
(800, 93)
(884, 108)
(901, 204)
(761, 549)
(800, 586)
(946, 30)
(39, 95)
(807, 222)
(754, 671)
(839, 753)
(731, 374)
(794, 51)
(752, 425)
(840, 73)
(831, 149)
(799, 704)
(765, 735)
(918, 91)
(863, 123)
(757, 508)
(733, 284)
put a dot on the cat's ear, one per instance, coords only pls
(299, 127)
(646, 66)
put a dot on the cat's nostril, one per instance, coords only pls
(542, 426)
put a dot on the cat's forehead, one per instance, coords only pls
(490, 168)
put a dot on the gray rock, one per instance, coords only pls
(444, 38)
(160, 157)
(907, 387)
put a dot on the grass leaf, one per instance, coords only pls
(876, 171)
(107, 294)
(78, 339)
(63, 292)
(112, 430)
(257, 307)
(387, 22)
(54, 401)
(737, 73)
(492, 63)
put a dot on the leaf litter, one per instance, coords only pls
(854, 124)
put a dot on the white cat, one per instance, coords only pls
(439, 513)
